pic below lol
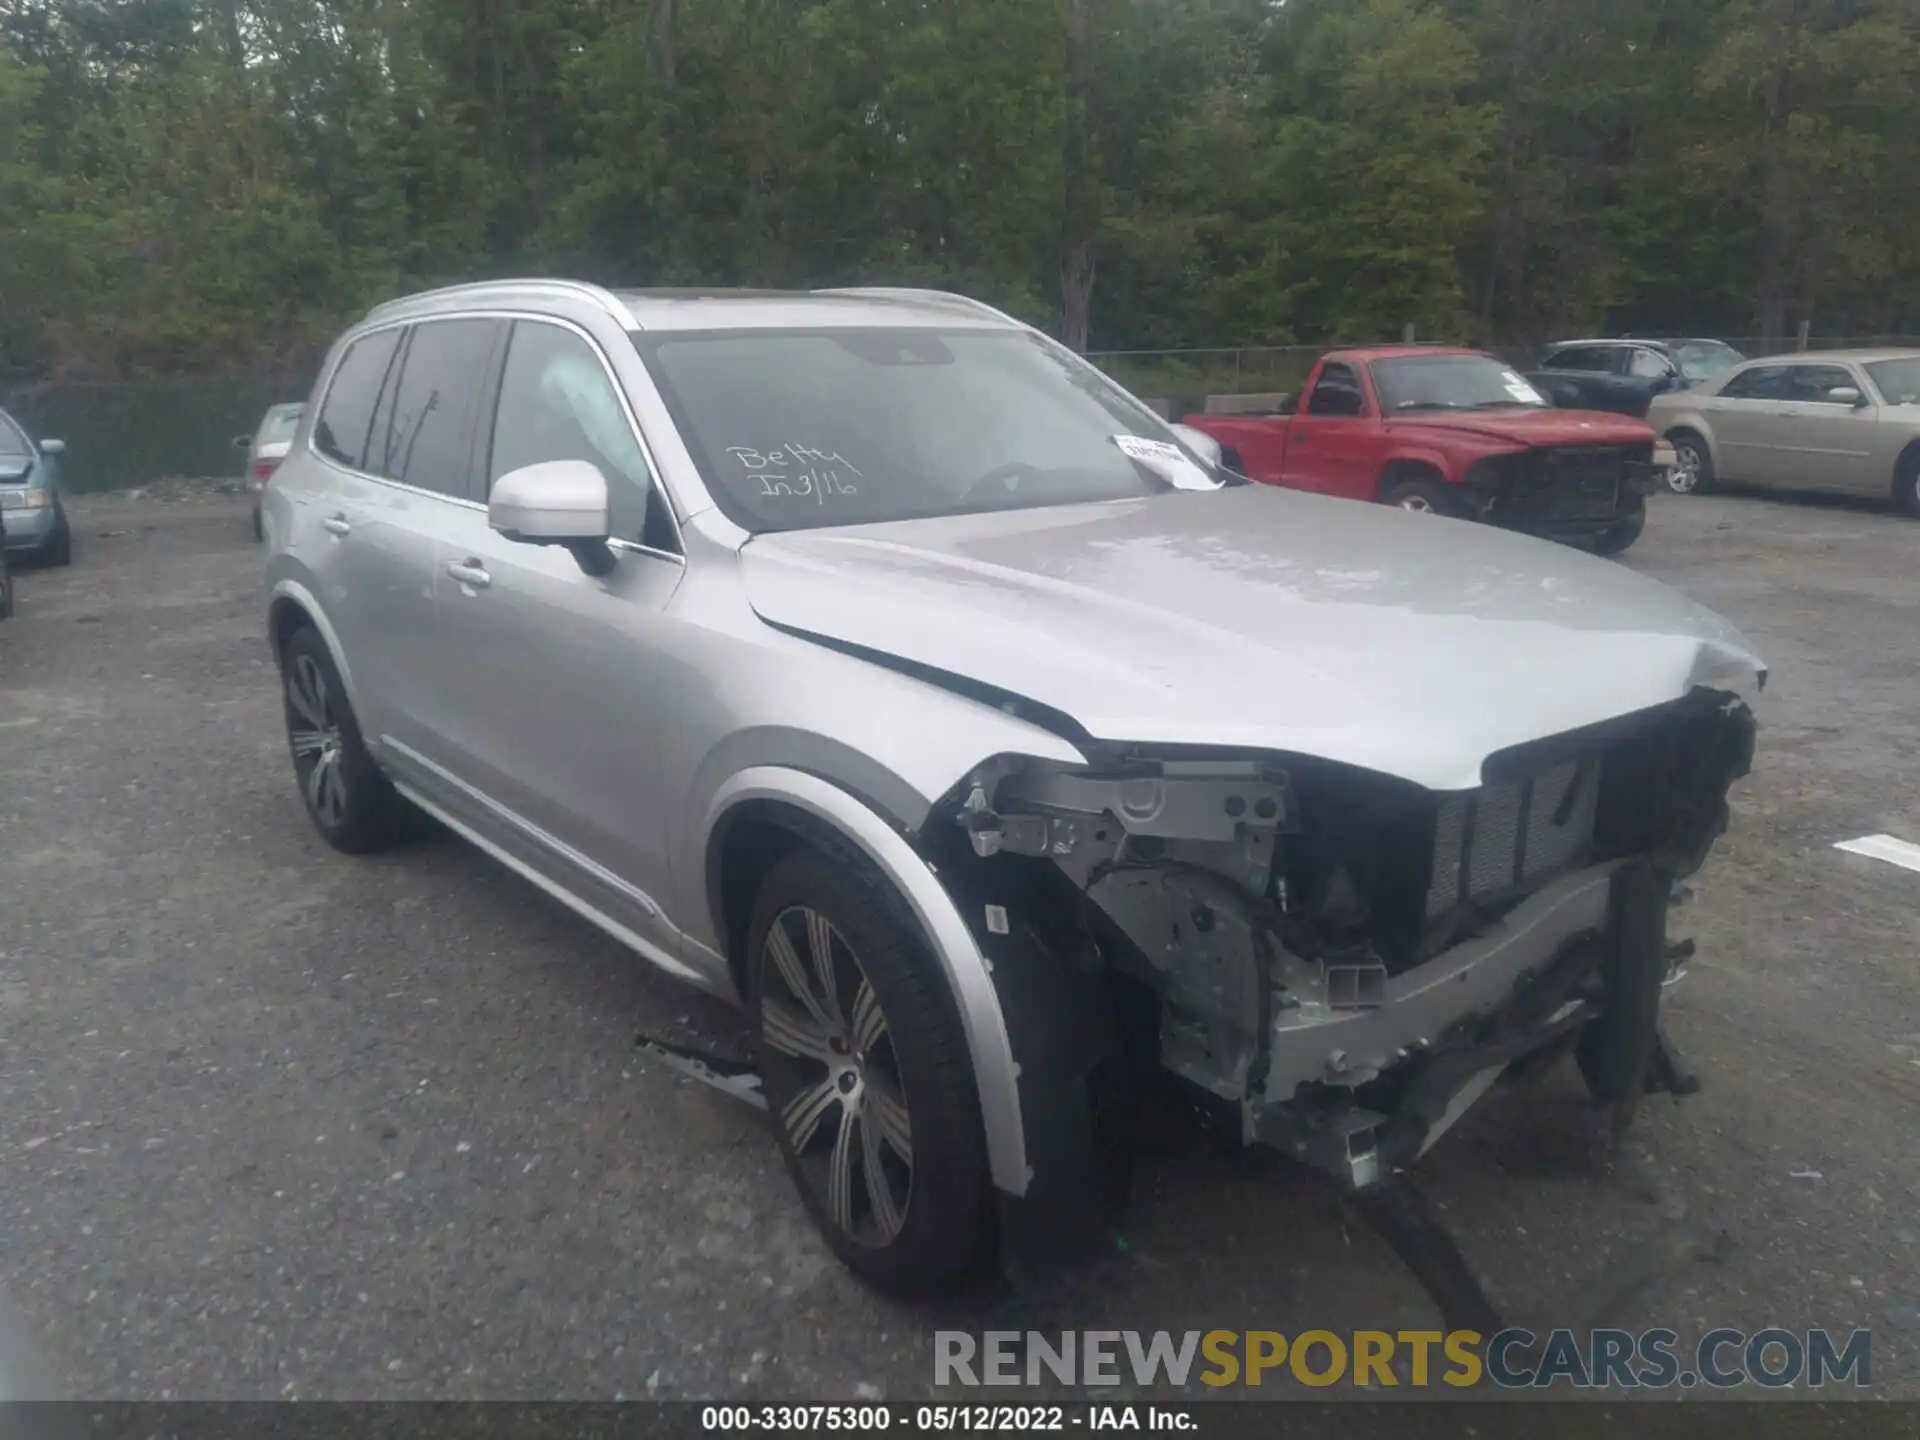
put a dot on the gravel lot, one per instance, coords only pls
(275, 1123)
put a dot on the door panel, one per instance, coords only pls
(554, 678)
(554, 699)
(1746, 416)
(1331, 446)
(1826, 445)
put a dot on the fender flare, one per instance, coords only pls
(293, 591)
(967, 972)
(1415, 455)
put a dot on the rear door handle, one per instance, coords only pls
(336, 525)
(470, 572)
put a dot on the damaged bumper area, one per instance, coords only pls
(1338, 964)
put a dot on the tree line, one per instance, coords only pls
(214, 186)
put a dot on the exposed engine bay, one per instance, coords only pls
(1337, 963)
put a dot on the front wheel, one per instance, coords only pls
(59, 548)
(1619, 539)
(867, 1078)
(1422, 497)
(1906, 482)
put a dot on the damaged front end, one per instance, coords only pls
(1336, 963)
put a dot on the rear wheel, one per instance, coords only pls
(1692, 472)
(1422, 497)
(867, 1078)
(350, 802)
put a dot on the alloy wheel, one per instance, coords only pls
(1419, 504)
(1684, 477)
(833, 1079)
(313, 729)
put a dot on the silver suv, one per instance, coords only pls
(869, 659)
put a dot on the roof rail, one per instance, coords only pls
(578, 289)
(932, 297)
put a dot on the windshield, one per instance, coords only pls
(281, 422)
(1452, 382)
(800, 429)
(1703, 360)
(1898, 381)
(16, 451)
(14, 444)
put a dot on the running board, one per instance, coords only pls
(738, 1078)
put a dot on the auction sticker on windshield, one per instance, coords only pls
(1520, 390)
(1166, 460)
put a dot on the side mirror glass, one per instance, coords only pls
(53, 447)
(1846, 395)
(557, 502)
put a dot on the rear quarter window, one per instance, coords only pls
(346, 415)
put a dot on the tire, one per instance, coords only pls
(870, 1093)
(1424, 497)
(59, 551)
(350, 802)
(1906, 482)
(1620, 538)
(1692, 472)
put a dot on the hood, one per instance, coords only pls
(1260, 619)
(1531, 427)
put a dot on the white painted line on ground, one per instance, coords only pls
(1885, 847)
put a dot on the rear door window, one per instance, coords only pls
(425, 437)
(346, 415)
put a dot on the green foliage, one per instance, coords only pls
(214, 186)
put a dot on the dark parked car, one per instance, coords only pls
(1624, 375)
(36, 523)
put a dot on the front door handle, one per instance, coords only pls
(336, 525)
(470, 572)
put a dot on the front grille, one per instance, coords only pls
(1509, 837)
(1577, 482)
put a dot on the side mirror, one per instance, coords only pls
(1201, 443)
(1846, 395)
(53, 447)
(557, 502)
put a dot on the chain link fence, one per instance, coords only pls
(139, 431)
(136, 432)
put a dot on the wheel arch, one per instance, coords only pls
(759, 811)
(1412, 465)
(1907, 461)
(294, 606)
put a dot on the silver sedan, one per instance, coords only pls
(1846, 421)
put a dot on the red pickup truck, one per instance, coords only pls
(1451, 432)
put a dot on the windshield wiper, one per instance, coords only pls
(1406, 405)
(1505, 405)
